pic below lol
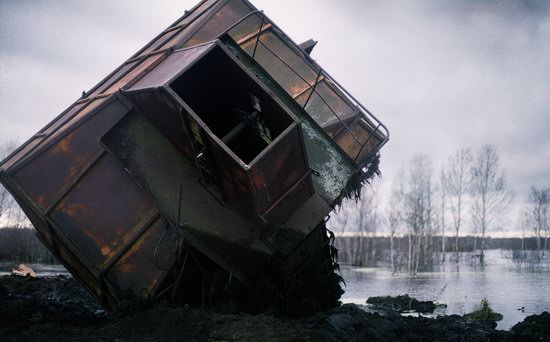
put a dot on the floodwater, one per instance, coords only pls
(42, 270)
(507, 286)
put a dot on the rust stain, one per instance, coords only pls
(297, 89)
(40, 200)
(73, 170)
(105, 250)
(127, 268)
(99, 242)
(62, 147)
(74, 209)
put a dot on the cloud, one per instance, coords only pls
(445, 75)
(53, 50)
(440, 74)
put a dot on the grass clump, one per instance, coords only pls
(484, 313)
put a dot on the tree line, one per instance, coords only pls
(428, 211)
(423, 220)
(21, 245)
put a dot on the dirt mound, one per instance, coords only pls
(29, 304)
(534, 325)
(59, 308)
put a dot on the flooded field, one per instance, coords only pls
(56, 305)
(513, 291)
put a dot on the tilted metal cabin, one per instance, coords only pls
(221, 137)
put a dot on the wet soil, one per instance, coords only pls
(58, 308)
(404, 303)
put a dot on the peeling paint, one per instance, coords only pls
(333, 168)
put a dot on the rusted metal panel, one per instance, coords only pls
(308, 216)
(373, 136)
(115, 77)
(278, 169)
(248, 30)
(145, 265)
(101, 231)
(165, 115)
(173, 65)
(290, 235)
(282, 62)
(327, 107)
(195, 13)
(222, 19)
(288, 202)
(358, 139)
(233, 177)
(137, 72)
(72, 118)
(49, 133)
(62, 161)
(177, 33)
(160, 42)
(101, 291)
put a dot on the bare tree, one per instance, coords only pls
(6, 201)
(367, 221)
(396, 215)
(418, 209)
(355, 224)
(538, 214)
(456, 180)
(523, 223)
(442, 214)
(490, 194)
(339, 223)
(10, 212)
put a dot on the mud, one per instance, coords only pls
(58, 308)
(404, 303)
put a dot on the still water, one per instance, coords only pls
(507, 286)
(42, 270)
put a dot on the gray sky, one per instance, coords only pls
(440, 74)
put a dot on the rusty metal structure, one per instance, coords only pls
(204, 166)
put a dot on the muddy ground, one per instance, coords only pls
(58, 308)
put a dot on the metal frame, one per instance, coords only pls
(354, 103)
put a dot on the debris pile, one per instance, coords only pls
(23, 271)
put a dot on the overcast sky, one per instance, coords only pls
(440, 74)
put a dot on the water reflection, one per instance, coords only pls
(461, 287)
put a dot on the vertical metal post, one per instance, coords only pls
(259, 34)
(366, 142)
(313, 88)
